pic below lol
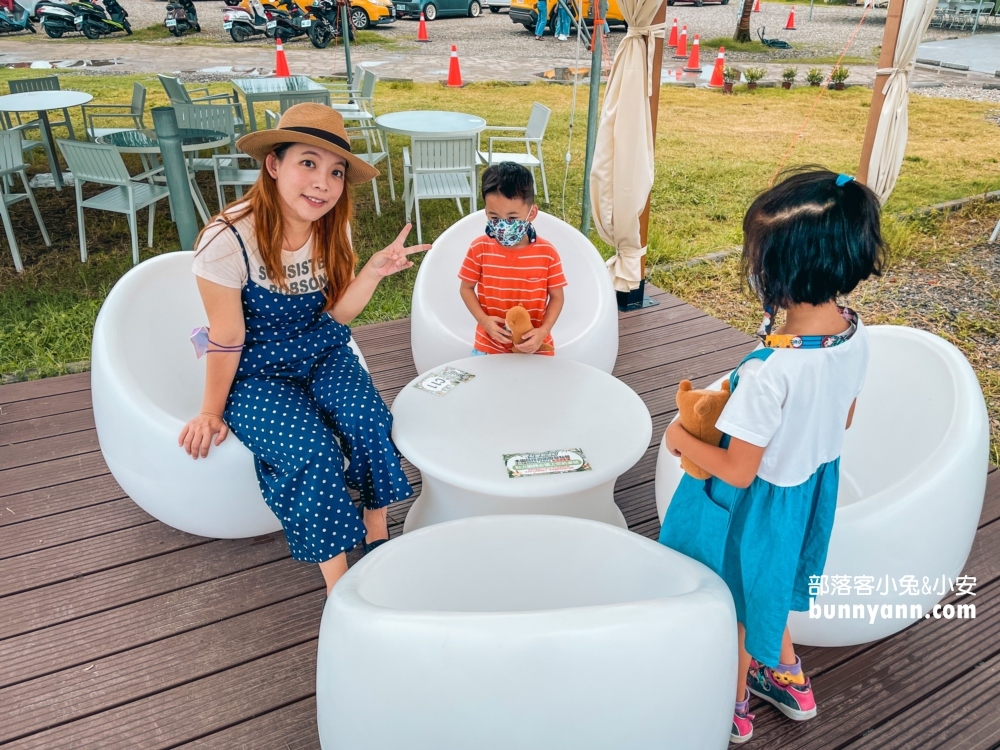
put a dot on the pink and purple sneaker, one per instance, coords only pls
(788, 691)
(742, 729)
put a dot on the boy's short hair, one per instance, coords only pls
(809, 239)
(510, 180)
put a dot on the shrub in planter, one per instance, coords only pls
(838, 76)
(788, 75)
(753, 75)
(729, 77)
(815, 77)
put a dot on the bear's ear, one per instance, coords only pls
(725, 385)
(685, 385)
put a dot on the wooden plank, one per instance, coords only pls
(118, 587)
(73, 526)
(32, 389)
(181, 714)
(963, 715)
(49, 448)
(82, 641)
(48, 501)
(720, 359)
(49, 426)
(292, 727)
(86, 556)
(58, 403)
(683, 341)
(51, 474)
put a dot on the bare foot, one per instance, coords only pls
(376, 525)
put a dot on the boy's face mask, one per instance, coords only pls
(508, 232)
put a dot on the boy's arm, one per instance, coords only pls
(532, 341)
(495, 327)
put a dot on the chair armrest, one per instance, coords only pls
(196, 90)
(105, 115)
(85, 107)
(504, 127)
(147, 174)
(213, 97)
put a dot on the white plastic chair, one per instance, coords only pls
(11, 163)
(912, 481)
(442, 329)
(229, 173)
(134, 112)
(40, 83)
(527, 632)
(93, 162)
(376, 149)
(534, 133)
(291, 98)
(217, 117)
(146, 384)
(178, 93)
(439, 168)
(357, 104)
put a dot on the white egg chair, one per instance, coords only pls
(912, 482)
(528, 632)
(146, 384)
(442, 329)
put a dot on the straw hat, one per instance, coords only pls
(315, 124)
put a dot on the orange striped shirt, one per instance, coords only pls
(506, 277)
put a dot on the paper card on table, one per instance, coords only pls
(545, 462)
(439, 383)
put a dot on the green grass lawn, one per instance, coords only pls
(713, 154)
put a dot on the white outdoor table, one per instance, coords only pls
(430, 123)
(41, 102)
(519, 403)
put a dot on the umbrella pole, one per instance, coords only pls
(889, 39)
(592, 112)
(636, 298)
(345, 33)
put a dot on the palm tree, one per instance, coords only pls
(743, 26)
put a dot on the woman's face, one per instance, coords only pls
(310, 180)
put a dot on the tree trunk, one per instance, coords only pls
(743, 27)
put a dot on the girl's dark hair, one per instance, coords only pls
(510, 180)
(809, 240)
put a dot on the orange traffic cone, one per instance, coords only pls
(280, 63)
(790, 25)
(682, 45)
(756, 6)
(422, 29)
(672, 41)
(716, 81)
(454, 74)
(694, 61)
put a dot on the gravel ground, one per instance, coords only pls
(975, 93)
(825, 35)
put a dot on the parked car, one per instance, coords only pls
(434, 9)
(497, 5)
(366, 13)
(525, 13)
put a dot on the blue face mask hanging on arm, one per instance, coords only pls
(508, 232)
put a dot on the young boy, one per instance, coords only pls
(511, 266)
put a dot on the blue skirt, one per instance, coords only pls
(765, 542)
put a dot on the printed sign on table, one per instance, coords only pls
(439, 383)
(545, 462)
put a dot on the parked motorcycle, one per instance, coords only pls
(15, 18)
(243, 21)
(181, 17)
(56, 18)
(327, 24)
(287, 21)
(89, 18)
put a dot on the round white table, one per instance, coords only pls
(430, 123)
(519, 403)
(41, 102)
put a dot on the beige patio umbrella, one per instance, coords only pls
(622, 172)
(885, 137)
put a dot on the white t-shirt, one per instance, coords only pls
(794, 404)
(218, 258)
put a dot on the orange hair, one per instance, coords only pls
(331, 247)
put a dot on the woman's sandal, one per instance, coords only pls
(369, 547)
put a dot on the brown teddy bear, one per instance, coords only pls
(519, 323)
(699, 410)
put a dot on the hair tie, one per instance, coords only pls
(843, 179)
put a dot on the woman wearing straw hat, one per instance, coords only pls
(276, 273)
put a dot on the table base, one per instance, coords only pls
(439, 502)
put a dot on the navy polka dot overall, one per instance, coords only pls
(298, 387)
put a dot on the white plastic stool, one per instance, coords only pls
(146, 384)
(912, 482)
(526, 632)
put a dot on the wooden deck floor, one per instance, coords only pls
(119, 632)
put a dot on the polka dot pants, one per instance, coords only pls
(301, 427)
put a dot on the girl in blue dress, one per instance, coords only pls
(276, 274)
(763, 520)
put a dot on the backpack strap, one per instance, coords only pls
(734, 376)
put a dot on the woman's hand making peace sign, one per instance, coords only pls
(394, 258)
